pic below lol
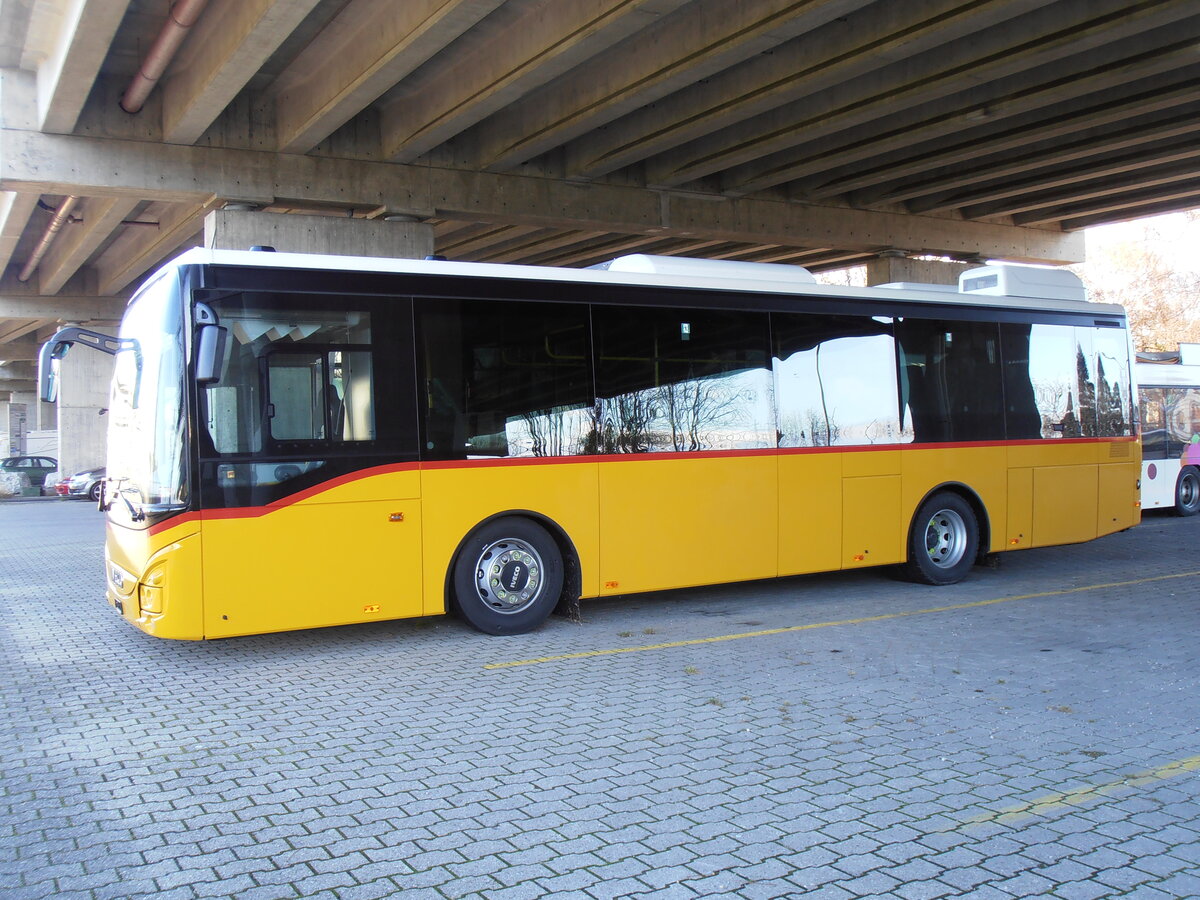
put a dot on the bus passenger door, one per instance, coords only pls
(309, 485)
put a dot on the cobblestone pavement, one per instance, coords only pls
(865, 738)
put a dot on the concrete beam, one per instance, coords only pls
(96, 167)
(138, 250)
(761, 154)
(75, 244)
(1071, 134)
(922, 271)
(543, 44)
(22, 349)
(238, 230)
(703, 38)
(362, 53)
(20, 301)
(72, 40)
(226, 48)
(837, 45)
(15, 212)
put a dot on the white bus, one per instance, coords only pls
(1169, 397)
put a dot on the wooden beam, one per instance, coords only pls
(100, 216)
(76, 45)
(369, 47)
(97, 167)
(225, 49)
(538, 47)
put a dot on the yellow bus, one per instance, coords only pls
(300, 441)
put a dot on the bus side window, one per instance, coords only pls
(1154, 425)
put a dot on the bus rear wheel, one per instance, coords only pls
(508, 577)
(1187, 492)
(943, 540)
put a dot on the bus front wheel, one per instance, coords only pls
(508, 576)
(1187, 492)
(943, 540)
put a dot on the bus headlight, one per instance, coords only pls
(150, 596)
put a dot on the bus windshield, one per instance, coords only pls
(146, 431)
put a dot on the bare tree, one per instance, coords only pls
(1162, 299)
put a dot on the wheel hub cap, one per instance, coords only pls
(508, 575)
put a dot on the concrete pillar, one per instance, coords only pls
(82, 409)
(228, 229)
(888, 269)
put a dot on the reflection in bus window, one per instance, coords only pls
(678, 380)
(835, 381)
(1114, 386)
(504, 379)
(1041, 380)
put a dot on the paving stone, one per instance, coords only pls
(383, 760)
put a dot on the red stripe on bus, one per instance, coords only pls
(250, 512)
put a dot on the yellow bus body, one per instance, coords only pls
(380, 545)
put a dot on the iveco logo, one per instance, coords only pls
(516, 578)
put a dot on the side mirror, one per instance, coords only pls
(48, 368)
(210, 353)
(56, 348)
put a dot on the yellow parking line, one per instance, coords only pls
(612, 651)
(1051, 803)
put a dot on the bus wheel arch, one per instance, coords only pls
(532, 553)
(1187, 491)
(948, 534)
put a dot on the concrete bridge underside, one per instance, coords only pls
(565, 132)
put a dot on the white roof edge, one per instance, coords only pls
(790, 287)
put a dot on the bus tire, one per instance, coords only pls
(943, 540)
(508, 576)
(1187, 492)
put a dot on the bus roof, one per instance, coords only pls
(693, 274)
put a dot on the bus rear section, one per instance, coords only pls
(1169, 399)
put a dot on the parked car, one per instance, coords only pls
(36, 467)
(82, 484)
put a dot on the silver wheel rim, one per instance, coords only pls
(946, 538)
(509, 576)
(1189, 488)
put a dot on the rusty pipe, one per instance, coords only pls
(182, 17)
(60, 217)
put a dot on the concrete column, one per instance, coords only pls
(228, 229)
(82, 407)
(887, 269)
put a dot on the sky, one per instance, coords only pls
(1174, 236)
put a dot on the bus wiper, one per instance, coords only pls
(136, 513)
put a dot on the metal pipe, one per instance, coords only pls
(47, 238)
(182, 17)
